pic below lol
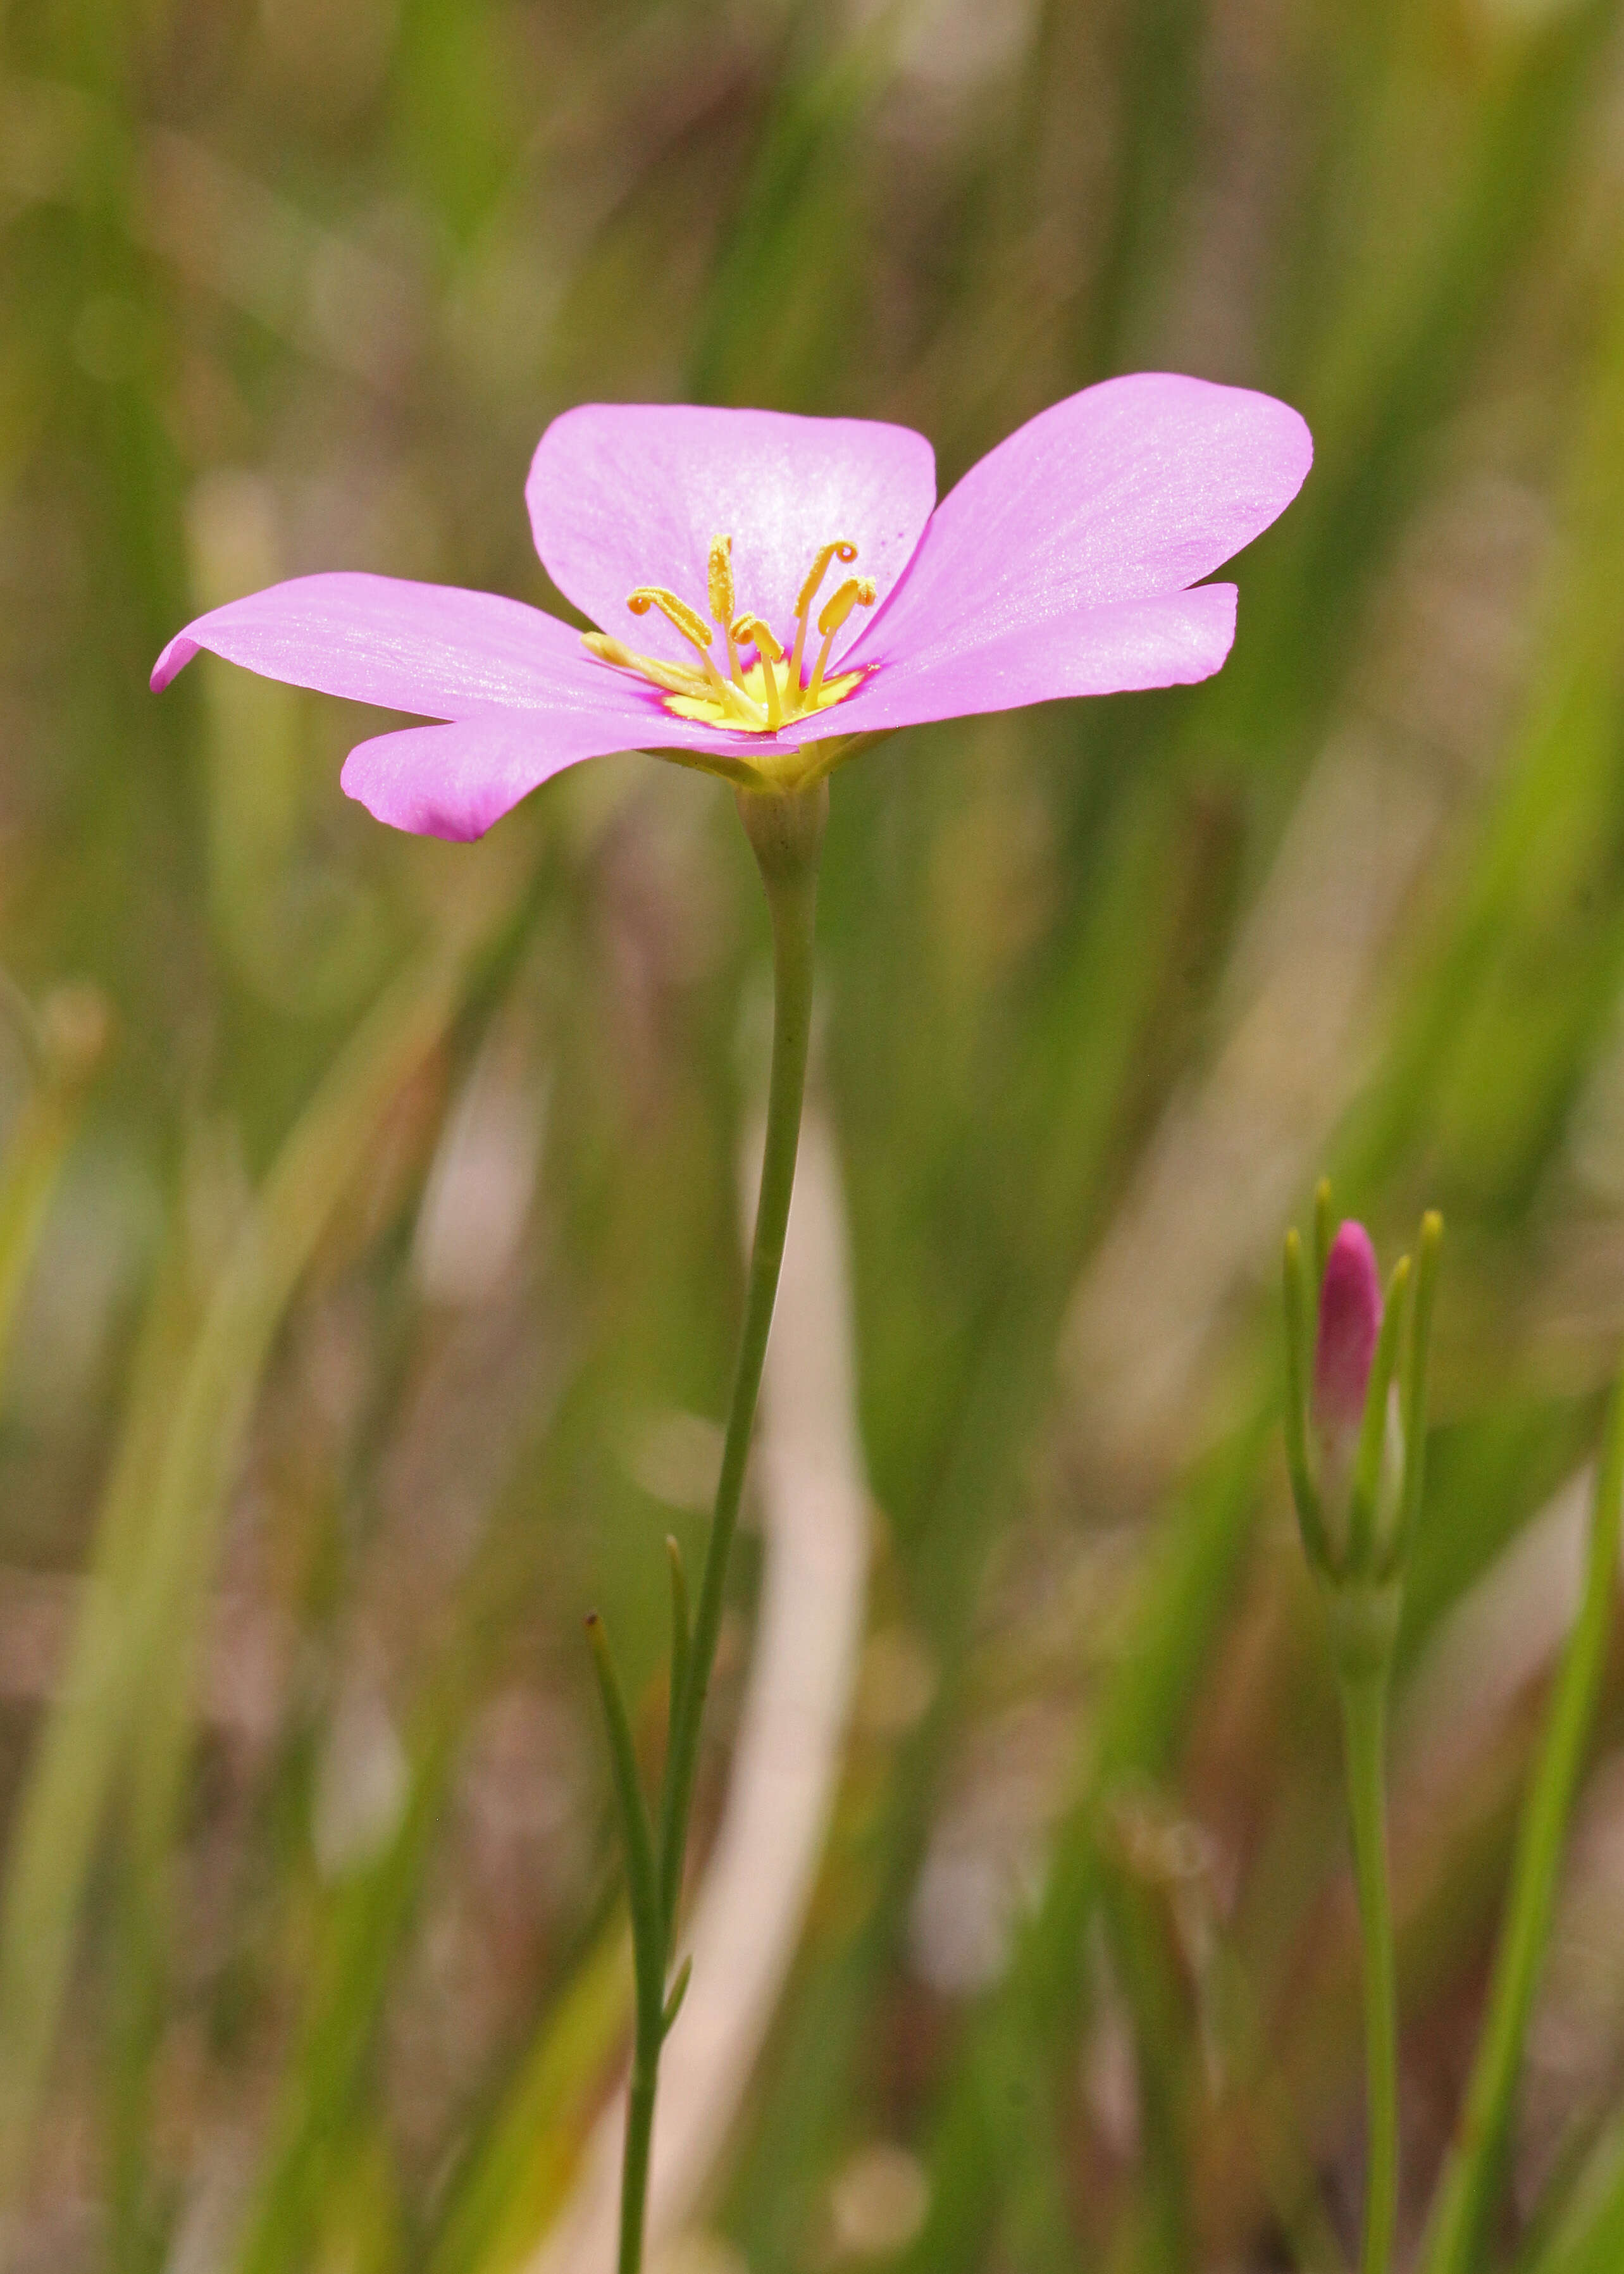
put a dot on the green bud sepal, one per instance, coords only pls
(1358, 1492)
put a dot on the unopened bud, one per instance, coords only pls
(1349, 1322)
(1356, 1426)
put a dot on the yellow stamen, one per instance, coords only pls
(856, 592)
(687, 621)
(719, 580)
(841, 550)
(751, 629)
(770, 695)
(719, 591)
(676, 677)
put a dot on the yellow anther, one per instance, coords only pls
(687, 621)
(840, 550)
(609, 650)
(856, 592)
(719, 580)
(748, 628)
(671, 677)
(751, 629)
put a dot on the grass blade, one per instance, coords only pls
(1472, 2172)
(144, 1607)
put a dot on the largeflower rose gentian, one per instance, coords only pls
(768, 588)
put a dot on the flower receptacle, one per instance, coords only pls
(1363, 1617)
(786, 829)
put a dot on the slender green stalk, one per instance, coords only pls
(682, 1619)
(649, 1948)
(1472, 2171)
(1365, 1718)
(785, 832)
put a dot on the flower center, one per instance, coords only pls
(773, 690)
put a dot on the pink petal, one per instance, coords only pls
(428, 648)
(623, 495)
(1129, 490)
(1136, 644)
(1349, 1321)
(455, 780)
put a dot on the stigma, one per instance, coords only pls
(775, 687)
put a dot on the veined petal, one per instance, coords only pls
(624, 494)
(433, 649)
(1104, 650)
(455, 780)
(1129, 490)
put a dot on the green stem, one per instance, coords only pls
(1473, 2169)
(639, 2149)
(785, 832)
(1365, 1718)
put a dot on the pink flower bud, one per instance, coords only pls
(1349, 1321)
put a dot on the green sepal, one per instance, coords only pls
(1305, 1492)
(1413, 1389)
(1323, 1231)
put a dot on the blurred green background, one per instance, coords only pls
(369, 1241)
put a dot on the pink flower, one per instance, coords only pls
(768, 588)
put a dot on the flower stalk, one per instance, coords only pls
(785, 832)
(1364, 1718)
(1356, 1434)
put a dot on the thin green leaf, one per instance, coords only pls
(160, 1524)
(1473, 2171)
(638, 1835)
(71, 1037)
(1588, 2235)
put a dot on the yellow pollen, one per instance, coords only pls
(751, 629)
(674, 677)
(751, 632)
(840, 550)
(719, 580)
(772, 693)
(687, 621)
(856, 592)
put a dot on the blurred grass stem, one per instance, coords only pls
(1365, 1726)
(786, 834)
(1472, 2171)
